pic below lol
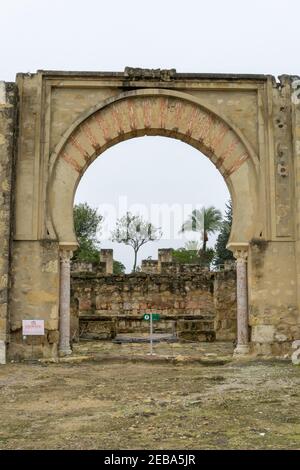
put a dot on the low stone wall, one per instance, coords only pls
(165, 264)
(104, 266)
(84, 267)
(182, 269)
(150, 266)
(199, 305)
(196, 330)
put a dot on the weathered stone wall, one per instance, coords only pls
(296, 160)
(165, 264)
(225, 305)
(182, 269)
(150, 266)
(170, 267)
(196, 304)
(106, 257)
(8, 109)
(104, 266)
(126, 298)
(274, 316)
(35, 269)
(85, 267)
(196, 329)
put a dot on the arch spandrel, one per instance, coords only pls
(153, 112)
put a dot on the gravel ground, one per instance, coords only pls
(150, 405)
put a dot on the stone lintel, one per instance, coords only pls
(174, 75)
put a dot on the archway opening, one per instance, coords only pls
(162, 180)
(159, 113)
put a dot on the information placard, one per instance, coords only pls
(33, 327)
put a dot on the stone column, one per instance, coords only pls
(242, 302)
(64, 303)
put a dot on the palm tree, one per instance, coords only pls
(192, 245)
(206, 221)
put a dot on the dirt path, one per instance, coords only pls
(150, 406)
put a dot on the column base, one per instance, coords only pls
(65, 352)
(241, 349)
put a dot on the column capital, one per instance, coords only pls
(65, 256)
(66, 251)
(240, 255)
(239, 250)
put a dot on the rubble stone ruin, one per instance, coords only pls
(194, 304)
(54, 124)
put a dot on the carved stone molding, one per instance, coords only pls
(65, 256)
(140, 74)
(241, 255)
(239, 250)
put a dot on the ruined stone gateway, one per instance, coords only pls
(54, 124)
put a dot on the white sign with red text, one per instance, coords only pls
(33, 327)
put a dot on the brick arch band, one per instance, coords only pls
(152, 112)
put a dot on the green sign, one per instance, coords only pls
(155, 316)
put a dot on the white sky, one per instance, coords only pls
(261, 36)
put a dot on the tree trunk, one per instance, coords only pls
(135, 260)
(205, 239)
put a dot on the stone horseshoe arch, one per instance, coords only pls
(153, 112)
(53, 124)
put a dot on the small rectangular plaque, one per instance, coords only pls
(33, 327)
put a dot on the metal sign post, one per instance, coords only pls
(150, 317)
(32, 328)
(151, 335)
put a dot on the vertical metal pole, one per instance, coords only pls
(151, 333)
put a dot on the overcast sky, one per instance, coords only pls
(261, 36)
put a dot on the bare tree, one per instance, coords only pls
(134, 231)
